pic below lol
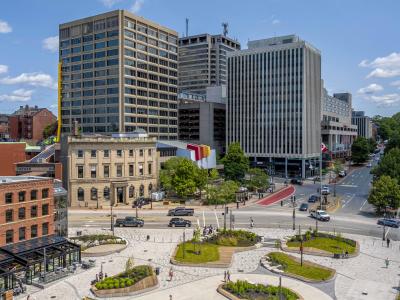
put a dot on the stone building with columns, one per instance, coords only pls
(110, 170)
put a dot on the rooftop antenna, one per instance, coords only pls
(225, 27)
(187, 27)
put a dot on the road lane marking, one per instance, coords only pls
(351, 198)
(348, 185)
(363, 204)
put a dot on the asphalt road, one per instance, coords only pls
(356, 215)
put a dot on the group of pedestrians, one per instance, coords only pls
(227, 276)
(208, 230)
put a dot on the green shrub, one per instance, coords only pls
(122, 285)
(227, 241)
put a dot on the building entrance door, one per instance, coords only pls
(120, 195)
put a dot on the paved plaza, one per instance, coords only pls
(363, 277)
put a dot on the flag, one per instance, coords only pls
(323, 148)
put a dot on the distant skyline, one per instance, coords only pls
(358, 40)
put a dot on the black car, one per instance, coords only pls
(179, 222)
(141, 202)
(314, 198)
(181, 211)
(296, 181)
(129, 222)
(303, 207)
(389, 222)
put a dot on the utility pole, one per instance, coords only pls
(294, 212)
(225, 211)
(112, 218)
(301, 251)
(183, 245)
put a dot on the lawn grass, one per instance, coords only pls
(208, 253)
(291, 266)
(326, 244)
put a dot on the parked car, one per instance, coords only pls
(179, 222)
(129, 222)
(141, 202)
(181, 211)
(314, 198)
(296, 181)
(369, 165)
(342, 173)
(303, 207)
(325, 190)
(389, 222)
(320, 215)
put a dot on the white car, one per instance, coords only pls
(325, 190)
(342, 173)
(320, 215)
(369, 165)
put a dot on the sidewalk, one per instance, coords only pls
(207, 288)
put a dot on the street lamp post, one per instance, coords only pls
(294, 212)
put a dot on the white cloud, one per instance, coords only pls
(384, 67)
(370, 89)
(5, 27)
(17, 95)
(137, 6)
(51, 43)
(276, 22)
(3, 69)
(384, 100)
(395, 83)
(109, 3)
(34, 79)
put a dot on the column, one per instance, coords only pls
(286, 162)
(303, 168)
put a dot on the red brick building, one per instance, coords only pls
(26, 208)
(28, 123)
(10, 154)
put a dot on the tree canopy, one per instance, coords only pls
(236, 163)
(360, 150)
(223, 193)
(385, 193)
(258, 179)
(389, 165)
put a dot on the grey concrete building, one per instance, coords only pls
(201, 119)
(363, 122)
(274, 104)
(337, 131)
(119, 72)
(202, 61)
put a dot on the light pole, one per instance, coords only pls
(294, 211)
(112, 217)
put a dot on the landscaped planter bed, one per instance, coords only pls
(94, 245)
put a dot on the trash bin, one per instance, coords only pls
(157, 271)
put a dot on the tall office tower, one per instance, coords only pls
(363, 122)
(202, 61)
(274, 104)
(119, 73)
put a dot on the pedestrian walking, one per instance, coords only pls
(387, 262)
(28, 297)
(228, 276)
(388, 242)
(225, 276)
(170, 297)
(171, 274)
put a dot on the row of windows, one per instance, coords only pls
(107, 153)
(118, 170)
(106, 192)
(22, 233)
(9, 197)
(22, 212)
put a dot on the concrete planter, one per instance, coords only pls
(145, 285)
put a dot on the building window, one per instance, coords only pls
(45, 209)
(106, 193)
(149, 168)
(21, 213)
(93, 194)
(45, 193)
(141, 152)
(9, 198)
(34, 211)
(81, 194)
(80, 153)
(149, 152)
(150, 189)
(141, 190)
(141, 173)
(131, 191)
(131, 152)
(34, 231)
(93, 172)
(9, 215)
(80, 171)
(21, 196)
(45, 228)
(21, 233)
(106, 153)
(9, 236)
(93, 153)
(34, 195)
(106, 171)
(131, 170)
(119, 153)
(119, 170)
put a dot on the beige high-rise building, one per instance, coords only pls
(119, 73)
(104, 170)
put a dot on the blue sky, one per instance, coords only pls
(359, 40)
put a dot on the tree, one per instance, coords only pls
(372, 145)
(389, 165)
(258, 179)
(393, 142)
(385, 192)
(213, 174)
(50, 130)
(129, 264)
(223, 193)
(182, 176)
(360, 150)
(336, 168)
(236, 163)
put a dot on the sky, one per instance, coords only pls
(359, 40)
